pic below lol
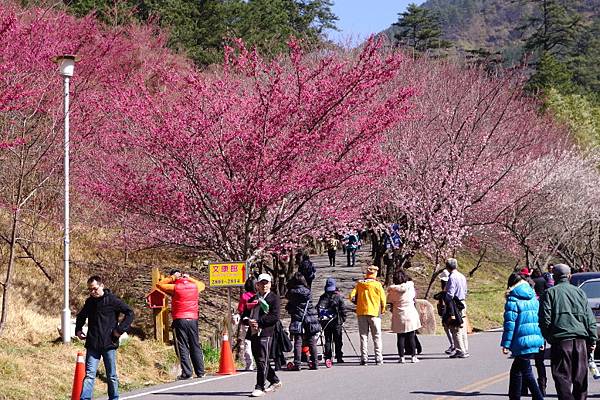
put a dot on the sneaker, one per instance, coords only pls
(379, 362)
(273, 387)
(257, 393)
(414, 359)
(450, 350)
(183, 377)
(464, 355)
(363, 362)
(340, 361)
(401, 360)
(201, 375)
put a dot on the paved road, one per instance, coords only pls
(483, 376)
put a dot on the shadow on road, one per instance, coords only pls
(232, 394)
(452, 393)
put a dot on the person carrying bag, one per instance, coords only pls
(304, 323)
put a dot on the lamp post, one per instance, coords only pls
(66, 66)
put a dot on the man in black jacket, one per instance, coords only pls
(262, 319)
(102, 310)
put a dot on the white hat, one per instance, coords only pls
(444, 275)
(264, 277)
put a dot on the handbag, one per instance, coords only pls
(297, 327)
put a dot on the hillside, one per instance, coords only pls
(490, 24)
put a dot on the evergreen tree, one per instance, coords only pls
(584, 60)
(550, 73)
(554, 27)
(200, 27)
(419, 29)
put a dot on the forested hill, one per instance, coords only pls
(493, 24)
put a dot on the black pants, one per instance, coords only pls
(569, 368)
(408, 349)
(312, 344)
(333, 335)
(188, 346)
(521, 375)
(402, 338)
(261, 348)
(541, 369)
(331, 255)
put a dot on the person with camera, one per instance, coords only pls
(184, 291)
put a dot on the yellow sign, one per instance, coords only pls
(227, 274)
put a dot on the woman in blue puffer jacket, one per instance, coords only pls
(522, 336)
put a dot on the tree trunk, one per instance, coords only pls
(434, 274)
(9, 272)
(479, 263)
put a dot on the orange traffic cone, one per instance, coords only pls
(226, 365)
(78, 378)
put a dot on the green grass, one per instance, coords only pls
(485, 299)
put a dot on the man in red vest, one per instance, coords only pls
(184, 292)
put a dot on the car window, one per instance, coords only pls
(591, 289)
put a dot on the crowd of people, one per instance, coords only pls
(541, 309)
(546, 309)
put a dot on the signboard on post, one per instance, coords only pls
(227, 274)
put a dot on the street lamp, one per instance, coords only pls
(66, 66)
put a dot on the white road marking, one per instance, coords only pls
(196, 382)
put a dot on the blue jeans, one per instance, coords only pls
(351, 256)
(92, 359)
(521, 374)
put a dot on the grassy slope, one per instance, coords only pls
(34, 364)
(485, 299)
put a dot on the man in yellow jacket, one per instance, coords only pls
(369, 297)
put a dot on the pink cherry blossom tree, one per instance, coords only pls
(458, 156)
(249, 157)
(31, 116)
(559, 219)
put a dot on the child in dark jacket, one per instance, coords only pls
(332, 314)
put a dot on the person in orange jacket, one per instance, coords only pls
(184, 291)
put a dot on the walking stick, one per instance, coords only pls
(350, 340)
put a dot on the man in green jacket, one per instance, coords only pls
(567, 322)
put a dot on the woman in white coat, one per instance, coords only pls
(405, 317)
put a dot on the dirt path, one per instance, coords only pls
(345, 278)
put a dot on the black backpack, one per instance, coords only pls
(307, 269)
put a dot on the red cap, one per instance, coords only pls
(525, 271)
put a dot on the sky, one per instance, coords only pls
(359, 18)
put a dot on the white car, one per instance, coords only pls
(591, 288)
